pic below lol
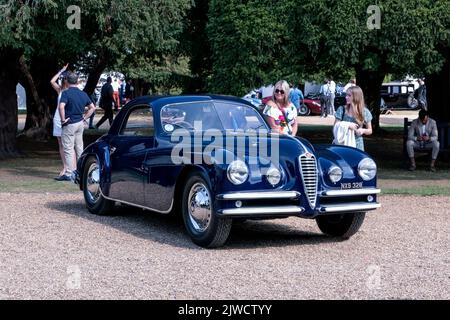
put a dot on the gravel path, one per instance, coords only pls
(52, 248)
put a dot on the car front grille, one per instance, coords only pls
(308, 170)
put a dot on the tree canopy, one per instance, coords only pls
(221, 46)
(256, 42)
(93, 35)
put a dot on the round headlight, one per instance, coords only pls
(273, 176)
(237, 172)
(335, 174)
(367, 169)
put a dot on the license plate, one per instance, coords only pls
(351, 185)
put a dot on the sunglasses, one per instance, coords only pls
(279, 91)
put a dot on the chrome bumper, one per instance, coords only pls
(351, 207)
(261, 211)
(259, 195)
(350, 192)
(291, 207)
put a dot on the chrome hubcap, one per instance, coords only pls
(93, 183)
(199, 207)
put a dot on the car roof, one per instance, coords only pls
(403, 83)
(159, 101)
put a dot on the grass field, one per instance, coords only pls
(34, 172)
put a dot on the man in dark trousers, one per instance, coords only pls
(106, 102)
(73, 117)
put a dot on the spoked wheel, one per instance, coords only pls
(304, 110)
(341, 225)
(204, 227)
(95, 202)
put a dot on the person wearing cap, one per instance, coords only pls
(72, 111)
(57, 129)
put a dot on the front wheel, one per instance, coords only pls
(303, 110)
(341, 225)
(95, 202)
(204, 227)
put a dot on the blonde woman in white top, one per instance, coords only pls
(280, 111)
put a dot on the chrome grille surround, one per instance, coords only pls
(310, 178)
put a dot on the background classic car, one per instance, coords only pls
(134, 164)
(399, 95)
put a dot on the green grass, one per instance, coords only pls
(419, 191)
(422, 173)
(38, 185)
(35, 171)
(34, 174)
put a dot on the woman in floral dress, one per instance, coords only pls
(280, 111)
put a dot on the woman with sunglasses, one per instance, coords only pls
(355, 112)
(280, 111)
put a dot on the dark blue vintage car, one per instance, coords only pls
(214, 159)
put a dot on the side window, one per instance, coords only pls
(236, 116)
(186, 115)
(139, 122)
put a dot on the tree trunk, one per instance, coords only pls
(9, 76)
(370, 83)
(38, 123)
(96, 72)
(438, 92)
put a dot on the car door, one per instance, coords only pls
(127, 152)
(163, 170)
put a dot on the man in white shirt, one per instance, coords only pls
(116, 96)
(324, 94)
(266, 93)
(351, 83)
(332, 87)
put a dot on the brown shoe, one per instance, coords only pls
(412, 168)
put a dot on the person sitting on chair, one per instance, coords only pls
(423, 134)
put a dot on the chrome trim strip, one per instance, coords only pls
(262, 210)
(258, 195)
(136, 205)
(357, 206)
(350, 192)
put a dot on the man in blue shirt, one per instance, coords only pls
(71, 109)
(296, 96)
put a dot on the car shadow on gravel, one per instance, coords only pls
(269, 233)
(170, 230)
